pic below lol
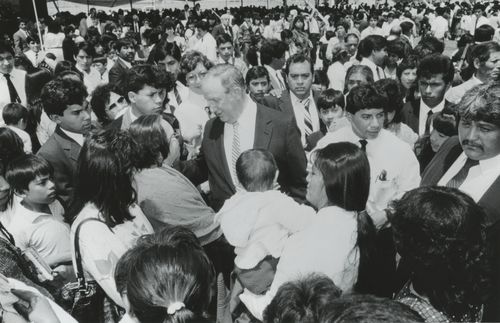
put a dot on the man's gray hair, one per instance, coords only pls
(230, 77)
(481, 103)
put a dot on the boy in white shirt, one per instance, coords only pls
(15, 116)
(37, 220)
(258, 220)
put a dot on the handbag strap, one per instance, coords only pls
(78, 257)
(7, 234)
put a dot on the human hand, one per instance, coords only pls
(36, 307)
(276, 93)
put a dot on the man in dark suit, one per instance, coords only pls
(224, 27)
(20, 44)
(242, 124)
(126, 53)
(471, 163)
(299, 101)
(435, 74)
(63, 102)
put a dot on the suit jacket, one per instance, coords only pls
(445, 157)
(275, 132)
(20, 44)
(117, 71)
(123, 122)
(219, 30)
(410, 114)
(62, 153)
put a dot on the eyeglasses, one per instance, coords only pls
(195, 77)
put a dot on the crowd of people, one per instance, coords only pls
(302, 164)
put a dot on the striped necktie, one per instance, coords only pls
(308, 129)
(177, 96)
(235, 150)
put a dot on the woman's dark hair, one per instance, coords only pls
(346, 176)
(391, 91)
(329, 98)
(162, 50)
(370, 43)
(104, 176)
(408, 63)
(446, 122)
(11, 147)
(169, 268)
(35, 82)
(438, 231)
(98, 102)
(297, 19)
(358, 69)
(151, 139)
(302, 300)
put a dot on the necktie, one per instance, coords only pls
(278, 76)
(460, 177)
(363, 143)
(428, 122)
(235, 150)
(380, 73)
(14, 97)
(36, 59)
(177, 96)
(308, 129)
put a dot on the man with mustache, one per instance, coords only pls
(435, 74)
(126, 52)
(471, 163)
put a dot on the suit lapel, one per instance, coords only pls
(263, 130)
(286, 103)
(71, 148)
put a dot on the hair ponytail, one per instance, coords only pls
(366, 243)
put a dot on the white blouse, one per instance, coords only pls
(326, 246)
(101, 248)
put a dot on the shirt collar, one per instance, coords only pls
(425, 108)
(129, 65)
(295, 99)
(249, 109)
(489, 164)
(131, 115)
(77, 137)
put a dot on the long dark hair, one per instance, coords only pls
(11, 147)
(104, 176)
(346, 175)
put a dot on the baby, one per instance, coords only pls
(258, 220)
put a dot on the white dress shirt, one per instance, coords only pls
(18, 78)
(77, 137)
(183, 92)
(378, 72)
(394, 168)
(208, 46)
(246, 132)
(35, 58)
(91, 79)
(479, 178)
(25, 137)
(422, 117)
(439, 27)
(298, 110)
(336, 75)
(455, 94)
(276, 77)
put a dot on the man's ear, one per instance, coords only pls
(55, 118)
(131, 96)
(476, 63)
(348, 115)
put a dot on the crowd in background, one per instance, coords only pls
(298, 164)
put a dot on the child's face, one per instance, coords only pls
(437, 138)
(41, 190)
(328, 116)
(100, 67)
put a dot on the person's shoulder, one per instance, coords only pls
(391, 141)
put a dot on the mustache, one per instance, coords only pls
(467, 142)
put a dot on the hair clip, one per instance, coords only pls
(174, 307)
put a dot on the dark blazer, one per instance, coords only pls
(410, 114)
(490, 201)
(62, 153)
(275, 132)
(20, 44)
(117, 71)
(219, 30)
(284, 102)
